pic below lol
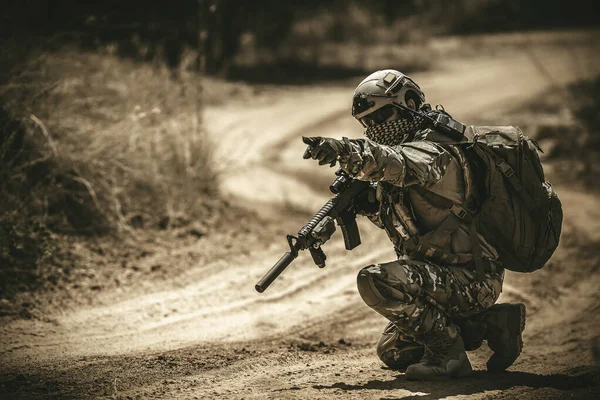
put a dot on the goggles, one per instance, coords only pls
(378, 116)
(384, 114)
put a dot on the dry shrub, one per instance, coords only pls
(120, 142)
(93, 144)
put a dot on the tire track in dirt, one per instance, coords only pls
(207, 311)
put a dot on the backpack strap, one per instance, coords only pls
(449, 225)
(509, 173)
(505, 169)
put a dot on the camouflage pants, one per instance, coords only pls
(419, 296)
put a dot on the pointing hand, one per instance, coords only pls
(325, 150)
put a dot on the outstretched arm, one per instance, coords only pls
(421, 163)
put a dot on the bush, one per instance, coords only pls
(113, 140)
(25, 245)
(92, 144)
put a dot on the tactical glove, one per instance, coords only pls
(325, 150)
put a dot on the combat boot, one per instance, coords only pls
(505, 325)
(502, 326)
(444, 357)
(472, 330)
(396, 350)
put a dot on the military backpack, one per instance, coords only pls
(513, 207)
(519, 212)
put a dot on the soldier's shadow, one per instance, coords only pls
(477, 382)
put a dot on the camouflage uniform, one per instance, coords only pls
(426, 296)
(426, 287)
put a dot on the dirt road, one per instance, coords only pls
(309, 335)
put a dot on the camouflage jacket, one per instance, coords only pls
(401, 173)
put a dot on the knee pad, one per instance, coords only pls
(367, 289)
(371, 292)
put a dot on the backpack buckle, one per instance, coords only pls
(459, 211)
(506, 169)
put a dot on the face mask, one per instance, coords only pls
(395, 132)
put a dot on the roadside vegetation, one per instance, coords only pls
(95, 145)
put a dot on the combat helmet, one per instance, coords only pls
(387, 87)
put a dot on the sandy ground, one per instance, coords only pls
(309, 335)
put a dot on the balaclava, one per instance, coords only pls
(398, 131)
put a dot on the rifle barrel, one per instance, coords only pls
(274, 272)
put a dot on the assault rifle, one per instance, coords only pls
(319, 229)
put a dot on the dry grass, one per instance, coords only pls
(121, 143)
(94, 144)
